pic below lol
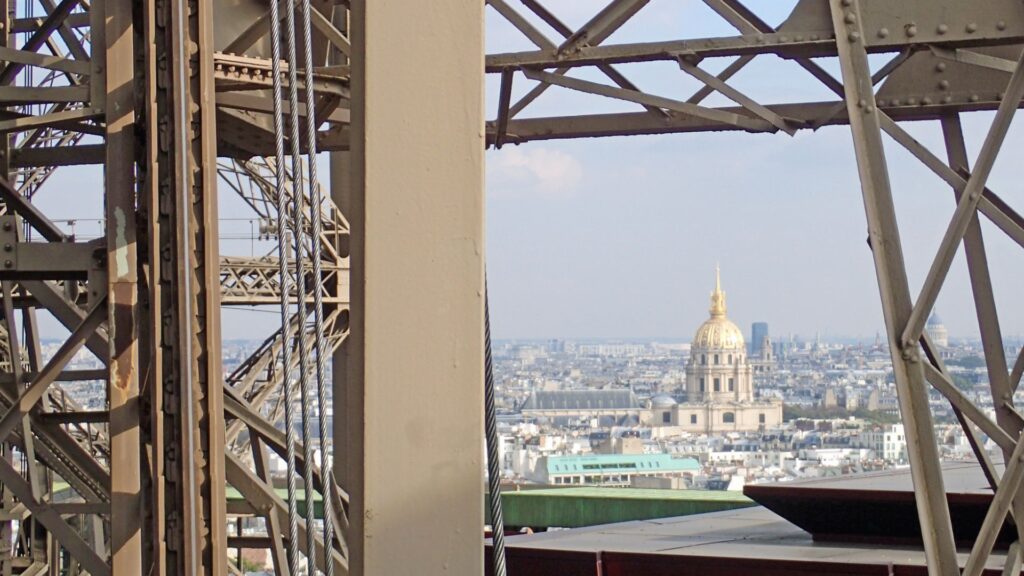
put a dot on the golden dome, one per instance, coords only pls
(718, 332)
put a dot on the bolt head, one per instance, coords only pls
(8, 264)
(911, 30)
(944, 85)
(7, 226)
(1001, 25)
(942, 29)
(940, 67)
(971, 28)
(853, 37)
(883, 32)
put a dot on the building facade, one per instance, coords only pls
(719, 382)
(937, 330)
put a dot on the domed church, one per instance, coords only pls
(719, 381)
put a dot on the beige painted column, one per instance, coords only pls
(414, 421)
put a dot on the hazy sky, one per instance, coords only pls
(619, 237)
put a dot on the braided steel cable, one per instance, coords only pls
(299, 218)
(327, 479)
(493, 464)
(280, 176)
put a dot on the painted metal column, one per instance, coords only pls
(415, 351)
(122, 287)
(911, 388)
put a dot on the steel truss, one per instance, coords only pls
(946, 58)
(136, 86)
(139, 485)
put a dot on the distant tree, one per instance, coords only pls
(962, 382)
(968, 362)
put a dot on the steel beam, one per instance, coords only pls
(932, 508)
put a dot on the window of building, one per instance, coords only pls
(718, 384)
(730, 358)
(716, 359)
(729, 418)
(703, 360)
(702, 384)
(693, 418)
(666, 417)
(732, 384)
(760, 417)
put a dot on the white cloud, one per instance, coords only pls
(533, 169)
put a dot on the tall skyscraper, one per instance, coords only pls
(758, 332)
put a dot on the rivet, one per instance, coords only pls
(999, 96)
(895, 101)
(869, 109)
(7, 226)
(8, 264)
(854, 36)
(760, 38)
(880, 102)
(972, 27)
(947, 99)
(862, 103)
(940, 67)
(883, 32)
(926, 100)
(911, 30)
(783, 39)
(912, 101)
(1000, 25)
(799, 38)
(974, 98)
(814, 37)
(850, 18)
(942, 29)
(944, 85)
(8, 247)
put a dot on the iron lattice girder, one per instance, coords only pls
(951, 58)
(957, 58)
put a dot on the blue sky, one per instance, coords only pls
(619, 237)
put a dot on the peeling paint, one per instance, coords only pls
(120, 243)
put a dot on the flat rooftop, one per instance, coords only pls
(864, 524)
(734, 542)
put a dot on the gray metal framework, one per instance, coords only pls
(947, 58)
(173, 98)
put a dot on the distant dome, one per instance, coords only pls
(663, 401)
(935, 319)
(718, 332)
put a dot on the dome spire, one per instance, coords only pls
(718, 297)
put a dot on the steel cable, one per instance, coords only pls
(282, 255)
(491, 431)
(327, 479)
(299, 219)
